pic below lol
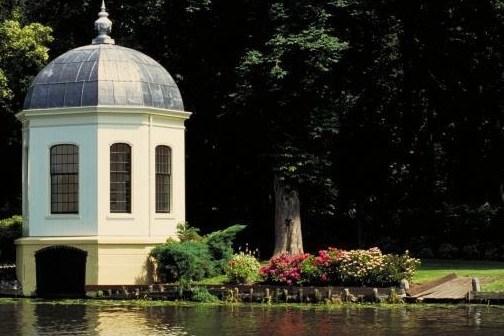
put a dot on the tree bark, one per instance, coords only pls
(288, 235)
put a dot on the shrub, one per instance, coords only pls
(340, 267)
(185, 232)
(284, 269)
(242, 269)
(195, 257)
(398, 267)
(10, 230)
(201, 294)
(311, 272)
(394, 298)
(361, 267)
(183, 260)
(8, 273)
(220, 245)
(329, 261)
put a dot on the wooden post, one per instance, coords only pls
(376, 296)
(404, 284)
(347, 296)
(237, 293)
(476, 287)
(267, 296)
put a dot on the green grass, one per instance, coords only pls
(490, 273)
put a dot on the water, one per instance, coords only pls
(32, 317)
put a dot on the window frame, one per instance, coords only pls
(163, 192)
(120, 183)
(64, 181)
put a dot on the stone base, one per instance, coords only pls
(109, 260)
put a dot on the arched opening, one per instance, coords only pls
(61, 271)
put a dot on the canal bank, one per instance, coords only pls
(446, 289)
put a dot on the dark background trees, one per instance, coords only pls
(385, 116)
(23, 51)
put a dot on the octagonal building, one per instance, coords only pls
(103, 168)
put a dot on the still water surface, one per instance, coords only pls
(31, 317)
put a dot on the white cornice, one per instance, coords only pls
(91, 240)
(102, 110)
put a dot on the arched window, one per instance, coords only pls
(64, 179)
(163, 179)
(120, 178)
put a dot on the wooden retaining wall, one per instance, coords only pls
(244, 293)
(449, 288)
(485, 297)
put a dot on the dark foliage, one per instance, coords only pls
(220, 245)
(10, 230)
(188, 260)
(196, 259)
(387, 114)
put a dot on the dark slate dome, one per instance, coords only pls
(103, 74)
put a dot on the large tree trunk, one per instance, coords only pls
(288, 236)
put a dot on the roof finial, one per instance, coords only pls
(103, 26)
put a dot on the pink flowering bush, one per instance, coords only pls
(323, 268)
(339, 267)
(329, 261)
(284, 269)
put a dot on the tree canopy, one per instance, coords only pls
(386, 116)
(23, 52)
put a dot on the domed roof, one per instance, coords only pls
(103, 74)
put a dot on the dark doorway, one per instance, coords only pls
(61, 271)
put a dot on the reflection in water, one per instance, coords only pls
(50, 319)
(131, 321)
(32, 317)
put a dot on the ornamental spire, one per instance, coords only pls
(103, 26)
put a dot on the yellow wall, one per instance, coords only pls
(110, 261)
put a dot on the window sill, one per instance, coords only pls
(164, 216)
(63, 216)
(122, 216)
